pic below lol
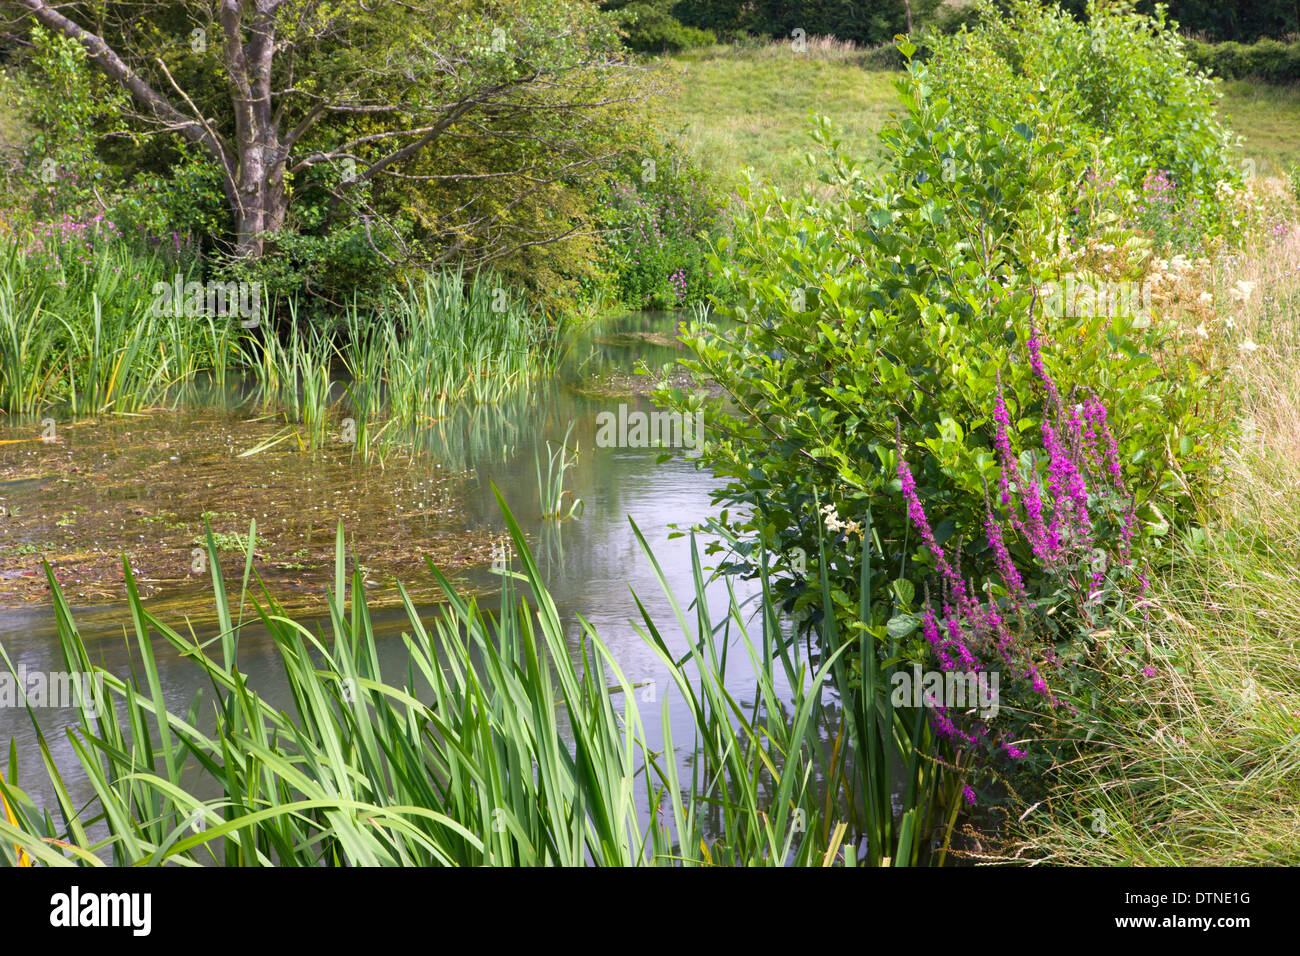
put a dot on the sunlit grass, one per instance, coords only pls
(751, 107)
(1269, 119)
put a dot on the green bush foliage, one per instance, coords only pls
(65, 107)
(660, 221)
(1120, 82)
(1268, 60)
(864, 23)
(649, 27)
(881, 326)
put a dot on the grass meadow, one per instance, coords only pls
(750, 106)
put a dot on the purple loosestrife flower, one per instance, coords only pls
(1036, 363)
(1081, 452)
(944, 726)
(958, 639)
(1002, 441)
(1032, 527)
(1002, 558)
(1094, 412)
(930, 628)
(1037, 533)
(995, 624)
(916, 512)
(1065, 482)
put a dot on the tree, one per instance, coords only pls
(379, 94)
(862, 21)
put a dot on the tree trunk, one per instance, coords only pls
(262, 199)
(260, 157)
(253, 166)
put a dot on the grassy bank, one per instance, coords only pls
(1269, 119)
(750, 107)
(1194, 761)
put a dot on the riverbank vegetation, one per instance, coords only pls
(427, 771)
(1004, 387)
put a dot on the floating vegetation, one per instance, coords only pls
(145, 487)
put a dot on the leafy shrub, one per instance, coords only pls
(188, 202)
(895, 322)
(1119, 84)
(660, 221)
(1267, 60)
(649, 27)
(323, 272)
(65, 105)
(864, 23)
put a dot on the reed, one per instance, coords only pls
(550, 489)
(443, 347)
(502, 744)
(78, 332)
(31, 348)
(475, 340)
(295, 377)
(365, 356)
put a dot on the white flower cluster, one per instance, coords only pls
(1241, 291)
(831, 519)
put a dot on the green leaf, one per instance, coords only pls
(902, 626)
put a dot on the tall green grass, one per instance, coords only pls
(296, 377)
(502, 744)
(29, 353)
(450, 338)
(78, 335)
(443, 343)
(77, 332)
